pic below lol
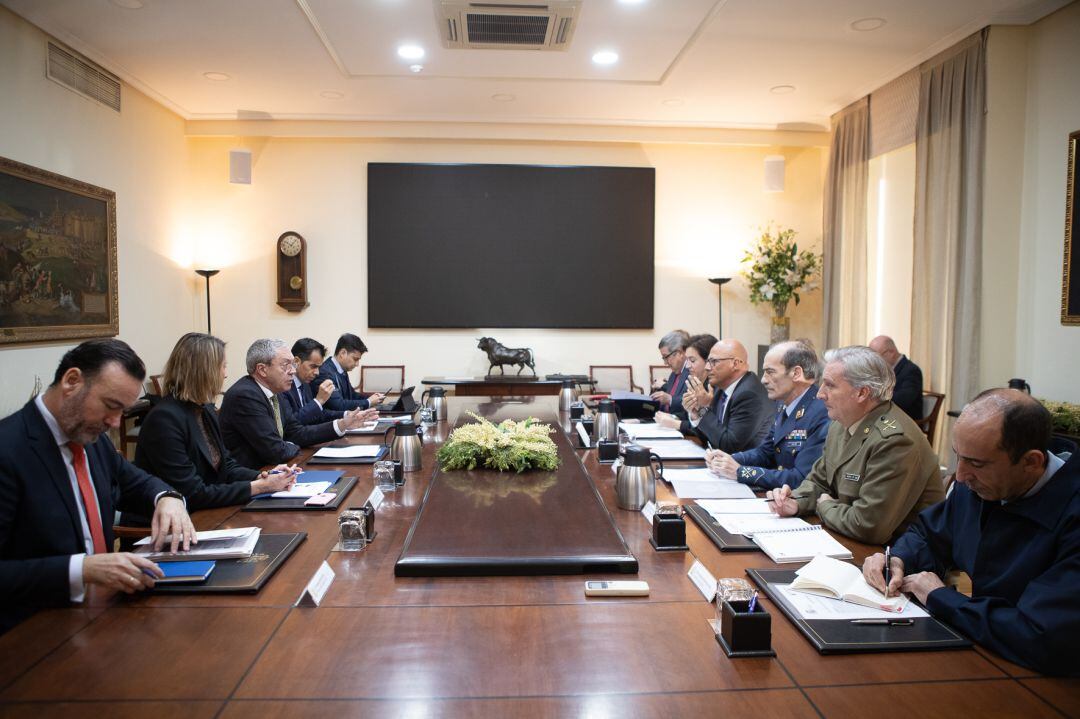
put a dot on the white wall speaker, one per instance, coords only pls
(240, 167)
(774, 173)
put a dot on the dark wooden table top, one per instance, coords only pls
(516, 646)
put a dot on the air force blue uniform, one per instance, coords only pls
(1023, 558)
(794, 443)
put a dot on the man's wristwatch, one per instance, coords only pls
(171, 493)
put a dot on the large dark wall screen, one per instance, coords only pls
(510, 246)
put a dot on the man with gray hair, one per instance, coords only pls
(790, 373)
(877, 471)
(907, 392)
(258, 429)
(673, 352)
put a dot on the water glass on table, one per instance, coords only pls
(384, 475)
(352, 528)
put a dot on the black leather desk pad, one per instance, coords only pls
(341, 488)
(243, 576)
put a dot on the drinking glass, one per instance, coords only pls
(384, 475)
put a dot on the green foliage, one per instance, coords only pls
(778, 270)
(1065, 416)
(508, 445)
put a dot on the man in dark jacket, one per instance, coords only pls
(908, 391)
(308, 408)
(741, 413)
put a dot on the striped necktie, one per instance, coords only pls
(277, 415)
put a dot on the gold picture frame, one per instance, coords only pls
(58, 272)
(1070, 275)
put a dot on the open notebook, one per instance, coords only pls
(827, 577)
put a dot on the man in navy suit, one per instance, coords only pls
(308, 355)
(740, 414)
(61, 480)
(790, 372)
(258, 428)
(347, 354)
(673, 352)
(908, 391)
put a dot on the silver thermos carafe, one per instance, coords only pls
(407, 446)
(605, 421)
(635, 484)
(437, 403)
(567, 395)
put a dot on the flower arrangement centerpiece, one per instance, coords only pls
(777, 273)
(504, 446)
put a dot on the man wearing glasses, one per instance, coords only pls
(258, 428)
(741, 413)
(673, 352)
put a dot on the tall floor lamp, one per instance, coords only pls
(719, 282)
(207, 274)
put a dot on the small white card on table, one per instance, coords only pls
(375, 498)
(316, 588)
(703, 580)
(649, 510)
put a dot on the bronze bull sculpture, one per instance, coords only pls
(500, 355)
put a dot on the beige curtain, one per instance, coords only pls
(946, 286)
(844, 273)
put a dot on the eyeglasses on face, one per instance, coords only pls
(667, 356)
(713, 361)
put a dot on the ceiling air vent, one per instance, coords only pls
(76, 73)
(507, 26)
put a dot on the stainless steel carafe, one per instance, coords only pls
(635, 484)
(567, 395)
(436, 399)
(605, 421)
(407, 446)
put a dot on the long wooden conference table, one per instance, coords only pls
(501, 646)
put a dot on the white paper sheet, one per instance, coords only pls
(356, 450)
(736, 506)
(811, 606)
(366, 427)
(307, 489)
(714, 488)
(649, 431)
(748, 524)
(674, 448)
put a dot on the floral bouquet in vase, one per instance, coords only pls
(778, 272)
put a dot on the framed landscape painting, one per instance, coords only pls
(57, 257)
(1070, 276)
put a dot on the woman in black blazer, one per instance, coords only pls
(698, 394)
(180, 439)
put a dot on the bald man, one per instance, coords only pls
(907, 393)
(1012, 522)
(741, 413)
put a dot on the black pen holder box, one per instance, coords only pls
(668, 532)
(607, 451)
(587, 424)
(577, 410)
(744, 633)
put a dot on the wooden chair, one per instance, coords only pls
(658, 374)
(610, 377)
(135, 414)
(376, 378)
(931, 405)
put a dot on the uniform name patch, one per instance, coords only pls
(851, 477)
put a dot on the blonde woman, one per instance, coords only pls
(180, 439)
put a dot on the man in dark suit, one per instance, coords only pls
(790, 372)
(740, 414)
(61, 480)
(347, 354)
(908, 392)
(673, 352)
(258, 428)
(308, 409)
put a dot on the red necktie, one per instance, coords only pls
(675, 386)
(89, 498)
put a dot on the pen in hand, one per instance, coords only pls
(888, 556)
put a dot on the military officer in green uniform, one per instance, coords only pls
(877, 471)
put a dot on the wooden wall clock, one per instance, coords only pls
(292, 272)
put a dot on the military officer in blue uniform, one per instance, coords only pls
(790, 373)
(1012, 523)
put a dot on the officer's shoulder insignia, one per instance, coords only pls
(800, 413)
(888, 426)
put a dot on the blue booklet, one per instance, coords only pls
(185, 572)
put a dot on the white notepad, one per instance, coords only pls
(213, 544)
(303, 489)
(674, 448)
(356, 450)
(785, 546)
(751, 524)
(715, 488)
(828, 577)
(649, 431)
(751, 505)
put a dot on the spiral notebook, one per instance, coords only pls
(785, 546)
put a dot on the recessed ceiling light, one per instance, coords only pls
(332, 94)
(503, 97)
(782, 89)
(674, 102)
(416, 68)
(128, 4)
(410, 52)
(867, 24)
(605, 57)
(216, 76)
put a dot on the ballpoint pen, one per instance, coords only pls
(885, 622)
(888, 556)
(753, 603)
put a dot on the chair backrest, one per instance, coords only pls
(156, 384)
(658, 374)
(376, 378)
(610, 377)
(931, 405)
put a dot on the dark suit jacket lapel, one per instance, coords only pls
(212, 429)
(44, 448)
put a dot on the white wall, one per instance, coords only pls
(709, 204)
(140, 153)
(1046, 351)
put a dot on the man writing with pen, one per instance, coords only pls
(1012, 523)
